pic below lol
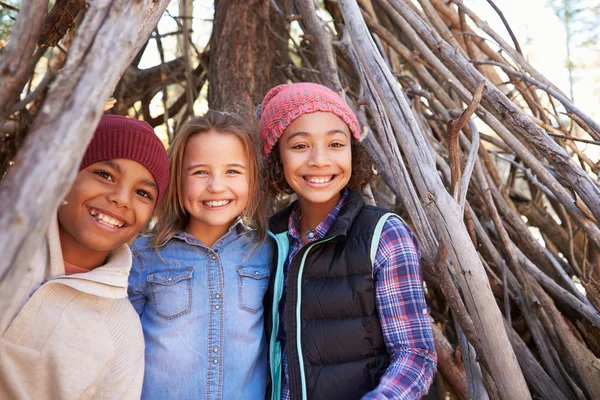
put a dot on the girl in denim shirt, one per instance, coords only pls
(199, 279)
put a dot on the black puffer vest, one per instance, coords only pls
(342, 354)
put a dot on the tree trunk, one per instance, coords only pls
(241, 67)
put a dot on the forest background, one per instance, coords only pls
(485, 136)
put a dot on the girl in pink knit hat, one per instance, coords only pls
(347, 311)
(70, 332)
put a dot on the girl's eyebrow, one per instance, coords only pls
(236, 165)
(302, 133)
(204, 165)
(195, 166)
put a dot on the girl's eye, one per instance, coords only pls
(233, 171)
(200, 173)
(144, 194)
(299, 146)
(337, 144)
(104, 174)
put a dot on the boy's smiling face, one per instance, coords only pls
(317, 159)
(108, 204)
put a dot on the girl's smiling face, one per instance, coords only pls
(108, 204)
(316, 155)
(215, 184)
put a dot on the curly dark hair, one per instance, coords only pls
(363, 173)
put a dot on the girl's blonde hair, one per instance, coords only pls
(172, 214)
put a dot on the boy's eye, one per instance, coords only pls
(104, 174)
(144, 194)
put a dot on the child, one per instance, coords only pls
(198, 282)
(70, 332)
(349, 318)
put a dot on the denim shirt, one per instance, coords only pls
(202, 313)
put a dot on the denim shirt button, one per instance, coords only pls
(217, 307)
(214, 257)
(216, 349)
(217, 296)
(215, 361)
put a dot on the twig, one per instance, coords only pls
(3, 4)
(593, 127)
(471, 158)
(594, 142)
(506, 25)
(31, 96)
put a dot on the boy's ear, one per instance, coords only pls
(109, 103)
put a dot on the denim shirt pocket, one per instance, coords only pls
(252, 286)
(171, 292)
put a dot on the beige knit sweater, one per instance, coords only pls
(71, 337)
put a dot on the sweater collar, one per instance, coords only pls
(108, 280)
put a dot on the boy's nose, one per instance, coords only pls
(120, 197)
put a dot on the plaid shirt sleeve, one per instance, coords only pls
(403, 315)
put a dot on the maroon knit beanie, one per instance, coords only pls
(286, 103)
(121, 137)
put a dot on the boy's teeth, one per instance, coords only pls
(315, 179)
(216, 203)
(110, 221)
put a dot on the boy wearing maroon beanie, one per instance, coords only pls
(70, 331)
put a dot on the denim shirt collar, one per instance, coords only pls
(238, 226)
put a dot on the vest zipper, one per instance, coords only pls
(298, 319)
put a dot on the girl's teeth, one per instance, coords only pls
(319, 180)
(219, 203)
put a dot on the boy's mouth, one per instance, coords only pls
(318, 179)
(216, 203)
(106, 219)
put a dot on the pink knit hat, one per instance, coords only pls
(121, 137)
(286, 103)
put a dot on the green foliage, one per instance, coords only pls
(581, 19)
(7, 19)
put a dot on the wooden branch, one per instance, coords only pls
(443, 211)
(13, 8)
(583, 364)
(564, 196)
(477, 388)
(537, 378)
(59, 20)
(17, 53)
(428, 240)
(469, 165)
(510, 114)
(48, 161)
(449, 365)
(321, 39)
(592, 127)
(507, 26)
